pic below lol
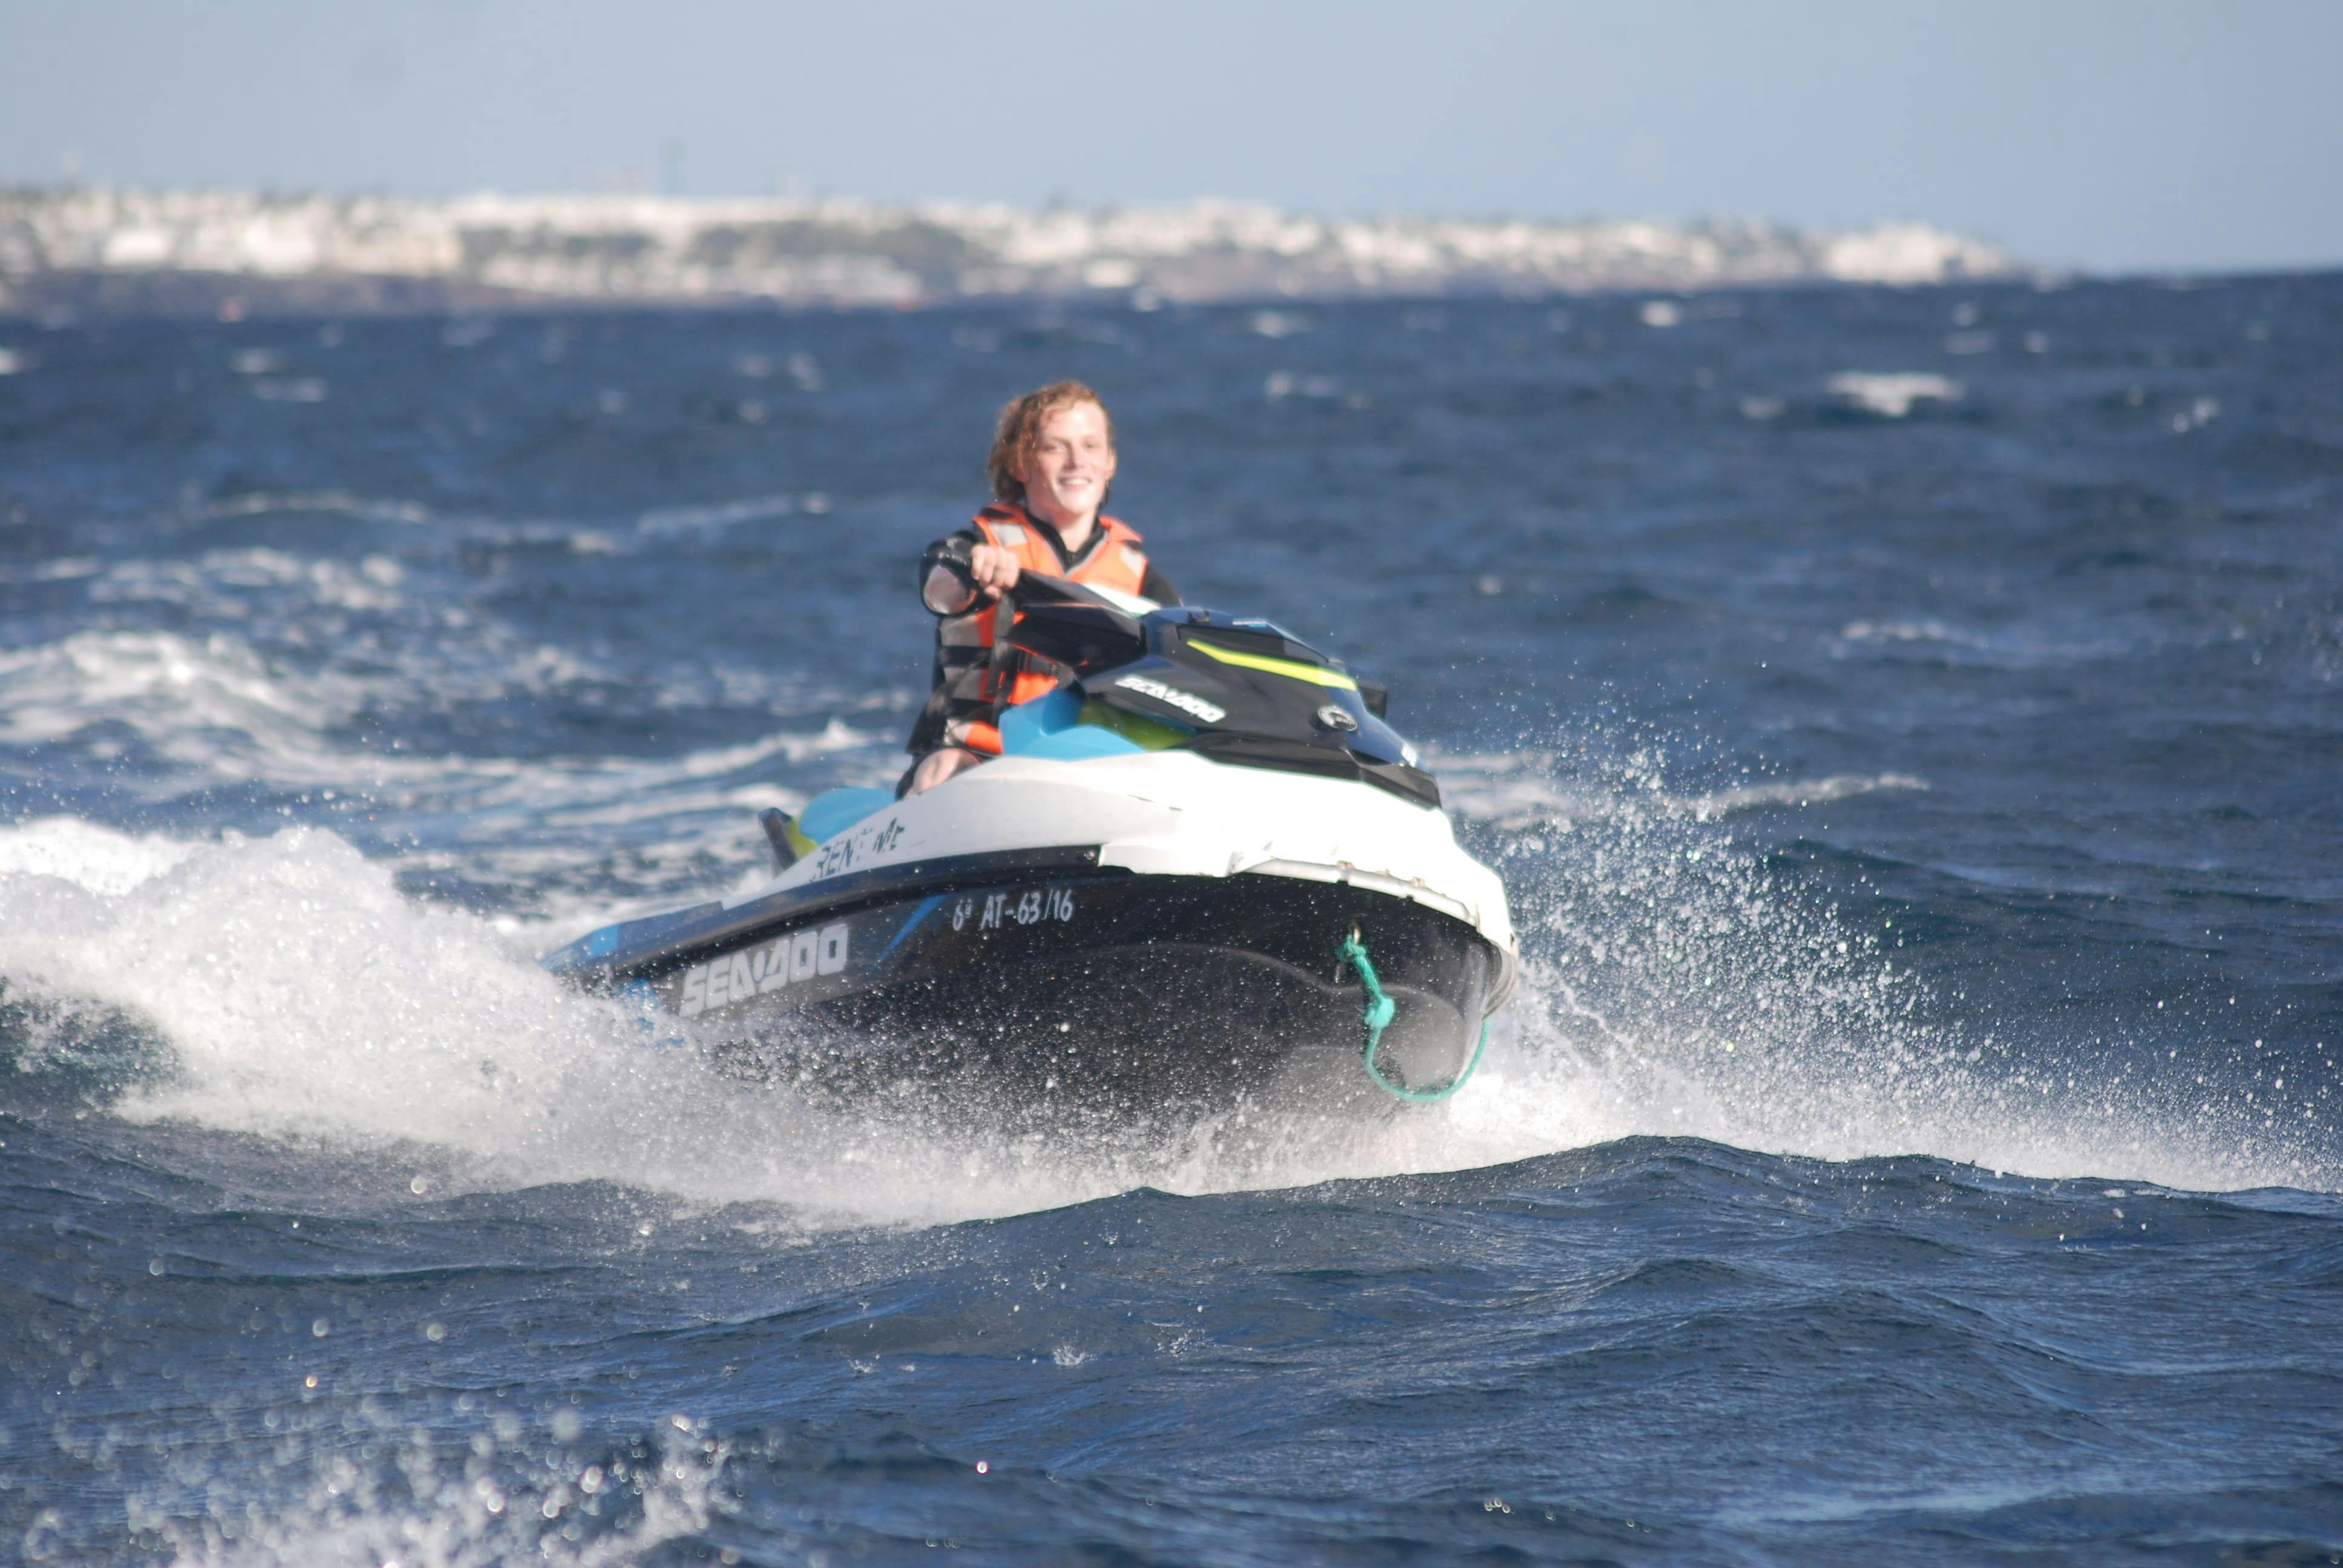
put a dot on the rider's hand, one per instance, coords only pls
(995, 569)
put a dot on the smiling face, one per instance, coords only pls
(1071, 465)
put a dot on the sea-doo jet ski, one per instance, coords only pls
(1203, 869)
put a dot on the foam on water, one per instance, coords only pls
(218, 711)
(1672, 991)
(209, 703)
(68, 850)
(299, 995)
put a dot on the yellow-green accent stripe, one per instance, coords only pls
(1153, 735)
(1285, 667)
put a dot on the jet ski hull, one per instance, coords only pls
(1046, 980)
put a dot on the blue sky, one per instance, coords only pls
(2139, 136)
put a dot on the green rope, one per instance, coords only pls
(1376, 1016)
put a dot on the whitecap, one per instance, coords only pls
(1893, 396)
(1281, 385)
(292, 389)
(1276, 323)
(716, 516)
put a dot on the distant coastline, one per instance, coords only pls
(84, 251)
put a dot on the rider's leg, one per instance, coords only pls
(939, 765)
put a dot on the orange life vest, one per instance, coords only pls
(1116, 562)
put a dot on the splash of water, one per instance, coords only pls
(373, 1503)
(1671, 989)
(1676, 986)
(301, 996)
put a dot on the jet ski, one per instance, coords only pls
(1203, 871)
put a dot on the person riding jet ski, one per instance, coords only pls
(1197, 869)
(1052, 462)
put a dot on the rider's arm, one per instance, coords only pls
(948, 579)
(947, 584)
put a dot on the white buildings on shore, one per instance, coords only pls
(644, 249)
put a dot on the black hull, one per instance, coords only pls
(1078, 987)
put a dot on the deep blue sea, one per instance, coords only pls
(1909, 723)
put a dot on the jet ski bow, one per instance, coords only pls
(1205, 869)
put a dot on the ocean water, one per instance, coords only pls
(1909, 724)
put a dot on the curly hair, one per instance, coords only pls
(1020, 431)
